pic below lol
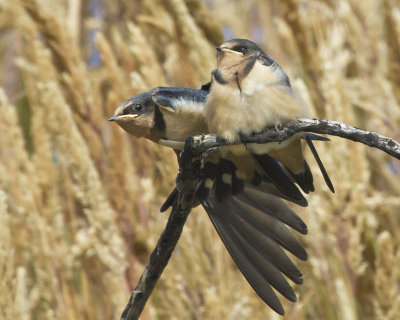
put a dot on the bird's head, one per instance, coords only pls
(236, 51)
(136, 115)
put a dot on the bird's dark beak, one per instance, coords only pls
(219, 49)
(113, 118)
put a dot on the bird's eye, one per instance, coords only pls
(138, 107)
(240, 49)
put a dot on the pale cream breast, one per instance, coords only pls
(267, 100)
(224, 111)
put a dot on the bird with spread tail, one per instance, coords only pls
(239, 187)
(251, 222)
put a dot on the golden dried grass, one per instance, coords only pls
(79, 198)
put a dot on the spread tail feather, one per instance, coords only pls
(270, 227)
(264, 199)
(254, 232)
(242, 259)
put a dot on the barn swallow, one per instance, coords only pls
(249, 92)
(252, 222)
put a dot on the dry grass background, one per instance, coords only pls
(79, 198)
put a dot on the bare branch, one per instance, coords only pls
(189, 175)
(334, 128)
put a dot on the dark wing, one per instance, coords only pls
(275, 173)
(265, 197)
(166, 96)
(252, 227)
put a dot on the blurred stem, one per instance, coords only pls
(188, 178)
